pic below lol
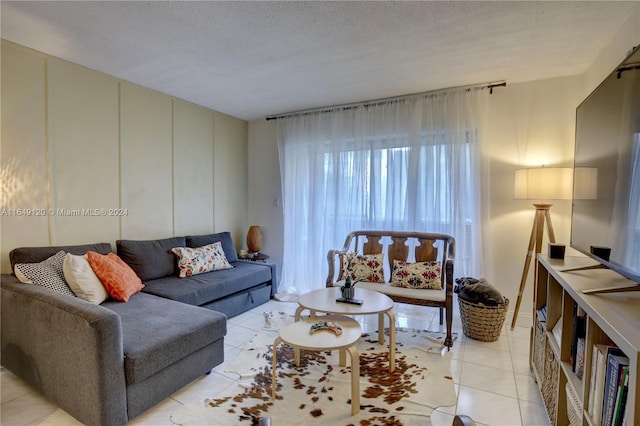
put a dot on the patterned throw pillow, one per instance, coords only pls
(116, 276)
(194, 261)
(367, 267)
(425, 275)
(47, 273)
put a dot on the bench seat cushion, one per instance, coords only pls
(158, 332)
(413, 293)
(204, 288)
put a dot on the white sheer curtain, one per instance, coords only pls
(410, 164)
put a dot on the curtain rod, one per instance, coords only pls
(489, 86)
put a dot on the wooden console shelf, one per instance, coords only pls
(609, 319)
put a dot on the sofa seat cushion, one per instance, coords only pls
(158, 332)
(389, 290)
(204, 288)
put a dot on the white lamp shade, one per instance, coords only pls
(585, 183)
(544, 183)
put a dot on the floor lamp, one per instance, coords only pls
(543, 183)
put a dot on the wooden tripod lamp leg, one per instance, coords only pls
(535, 246)
(525, 272)
(552, 236)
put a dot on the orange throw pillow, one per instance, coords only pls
(116, 276)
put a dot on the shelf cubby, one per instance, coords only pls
(610, 319)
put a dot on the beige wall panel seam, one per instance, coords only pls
(173, 167)
(216, 191)
(48, 150)
(120, 157)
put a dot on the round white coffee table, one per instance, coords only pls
(298, 336)
(373, 302)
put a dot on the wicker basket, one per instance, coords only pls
(481, 322)
(574, 407)
(539, 342)
(550, 383)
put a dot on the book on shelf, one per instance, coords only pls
(598, 375)
(615, 363)
(578, 331)
(621, 397)
(542, 313)
(580, 358)
(592, 381)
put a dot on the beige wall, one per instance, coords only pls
(531, 124)
(75, 139)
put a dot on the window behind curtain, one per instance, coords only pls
(411, 166)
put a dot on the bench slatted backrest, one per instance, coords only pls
(424, 249)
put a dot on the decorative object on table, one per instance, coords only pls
(254, 239)
(602, 252)
(318, 393)
(556, 251)
(331, 326)
(350, 301)
(540, 183)
(348, 288)
(257, 256)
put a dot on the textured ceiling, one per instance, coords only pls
(252, 59)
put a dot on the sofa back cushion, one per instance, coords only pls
(224, 237)
(38, 254)
(150, 259)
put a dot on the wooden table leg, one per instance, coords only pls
(342, 359)
(355, 379)
(381, 328)
(273, 366)
(392, 339)
(296, 356)
(296, 350)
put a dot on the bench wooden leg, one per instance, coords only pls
(441, 315)
(448, 341)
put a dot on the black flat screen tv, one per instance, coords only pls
(605, 223)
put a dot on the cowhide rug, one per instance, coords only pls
(319, 391)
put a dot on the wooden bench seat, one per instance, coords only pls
(408, 247)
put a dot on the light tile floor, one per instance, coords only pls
(492, 379)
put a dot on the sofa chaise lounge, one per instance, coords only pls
(106, 364)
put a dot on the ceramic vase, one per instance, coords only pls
(254, 239)
(348, 292)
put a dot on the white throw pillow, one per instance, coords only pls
(82, 280)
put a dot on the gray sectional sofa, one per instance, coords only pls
(105, 364)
